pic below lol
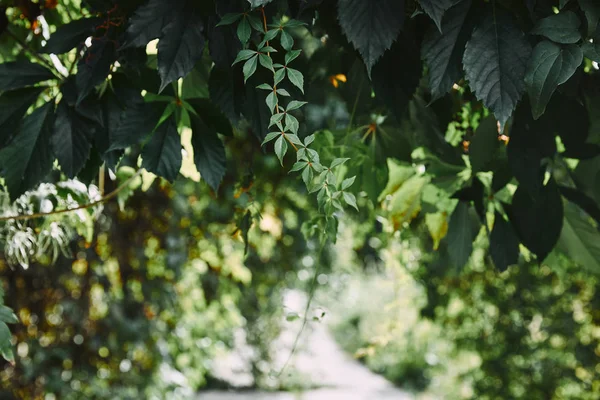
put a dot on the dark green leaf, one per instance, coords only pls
(19, 74)
(13, 105)
(371, 26)
(460, 235)
(211, 116)
(281, 147)
(592, 51)
(585, 202)
(227, 92)
(244, 31)
(350, 199)
(162, 154)
(258, 3)
(195, 85)
(580, 239)
(482, 148)
(94, 67)
(436, 9)
(71, 35)
(538, 219)
(443, 52)
(495, 61)
(561, 28)
(504, 243)
(209, 153)
(591, 9)
(266, 62)
(229, 19)
(134, 123)
(7, 315)
(71, 140)
(287, 41)
(5, 344)
(550, 65)
(296, 78)
(148, 22)
(28, 158)
(180, 47)
(250, 67)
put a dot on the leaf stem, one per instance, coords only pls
(34, 53)
(102, 200)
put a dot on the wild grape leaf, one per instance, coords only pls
(436, 9)
(94, 66)
(28, 159)
(226, 92)
(550, 65)
(371, 26)
(495, 62)
(148, 22)
(13, 106)
(71, 141)
(180, 46)
(212, 117)
(443, 52)
(162, 154)
(504, 243)
(538, 219)
(460, 235)
(580, 239)
(561, 28)
(70, 35)
(136, 122)
(209, 153)
(19, 74)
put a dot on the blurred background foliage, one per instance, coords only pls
(174, 275)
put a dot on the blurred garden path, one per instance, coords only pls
(320, 361)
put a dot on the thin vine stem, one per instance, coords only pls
(102, 200)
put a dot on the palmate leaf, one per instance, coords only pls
(436, 9)
(209, 152)
(371, 26)
(181, 46)
(148, 22)
(94, 66)
(443, 52)
(71, 35)
(71, 140)
(28, 158)
(550, 65)
(495, 62)
(162, 154)
(20, 74)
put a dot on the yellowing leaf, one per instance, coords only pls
(398, 174)
(437, 224)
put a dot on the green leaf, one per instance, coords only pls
(291, 124)
(130, 126)
(580, 239)
(250, 67)
(71, 35)
(256, 23)
(495, 61)
(270, 136)
(181, 46)
(195, 84)
(5, 345)
(436, 9)
(591, 9)
(504, 243)
(271, 101)
(243, 55)
(371, 26)
(258, 3)
(281, 147)
(460, 235)
(28, 158)
(346, 183)
(561, 28)
(337, 162)
(309, 139)
(19, 74)
(162, 154)
(287, 41)
(71, 140)
(591, 51)
(283, 92)
(7, 315)
(229, 19)
(279, 75)
(276, 119)
(266, 62)
(94, 67)
(300, 165)
(550, 65)
(538, 219)
(443, 52)
(148, 21)
(307, 176)
(265, 86)
(293, 139)
(296, 78)
(295, 105)
(291, 56)
(350, 199)
(244, 31)
(482, 148)
(13, 105)
(209, 152)
(212, 116)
